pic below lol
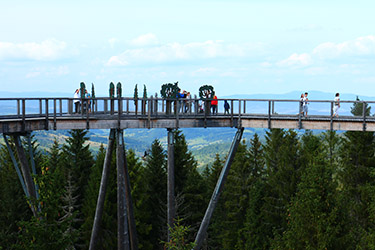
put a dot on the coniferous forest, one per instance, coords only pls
(288, 191)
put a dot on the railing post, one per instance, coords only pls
(23, 114)
(299, 115)
(244, 106)
(149, 110)
(239, 114)
(231, 113)
(331, 118)
(40, 107)
(273, 107)
(105, 106)
(47, 112)
(364, 116)
(54, 114)
(269, 114)
(127, 106)
(18, 108)
(61, 107)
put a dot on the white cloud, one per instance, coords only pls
(296, 60)
(204, 71)
(48, 71)
(145, 40)
(47, 50)
(172, 52)
(112, 42)
(361, 46)
(266, 64)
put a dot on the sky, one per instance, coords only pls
(237, 46)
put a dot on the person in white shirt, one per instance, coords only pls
(76, 100)
(336, 105)
(305, 103)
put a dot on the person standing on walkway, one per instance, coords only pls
(226, 107)
(305, 103)
(214, 105)
(336, 105)
(76, 100)
(301, 105)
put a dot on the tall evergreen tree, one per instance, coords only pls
(251, 235)
(77, 163)
(211, 175)
(313, 217)
(155, 182)
(13, 204)
(236, 197)
(281, 157)
(189, 185)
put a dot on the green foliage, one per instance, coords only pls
(206, 92)
(135, 93)
(14, 207)
(178, 239)
(155, 197)
(144, 92)
(169, 90)
(357, 109)
(313, 217)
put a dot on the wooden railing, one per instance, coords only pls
(121, 108)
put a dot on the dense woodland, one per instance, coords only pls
(314, 191)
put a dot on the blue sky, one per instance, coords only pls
(238, 46)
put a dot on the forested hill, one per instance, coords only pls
(287, 191)
(203, 143)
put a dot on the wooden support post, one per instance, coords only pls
(25, 171)
(129, 201)
(170, 173)
(31, 155)
(16, 166)
(102, 190)
(122, 220)
(218, 189)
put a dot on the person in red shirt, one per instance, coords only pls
(214, 105)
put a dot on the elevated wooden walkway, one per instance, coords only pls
(19, 115)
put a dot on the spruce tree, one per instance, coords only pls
(77, 163)
(235, 197)
(211, 175)
(282, 169)
(251, 235)
(155, 183)
(313, 217)
(13, 204)
(189, 185)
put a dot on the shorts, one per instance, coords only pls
(305, 108)
(336, 110)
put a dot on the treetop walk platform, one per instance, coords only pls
(18, 115)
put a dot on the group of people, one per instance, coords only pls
(304, 102)
(77, 102)
(184, 104)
